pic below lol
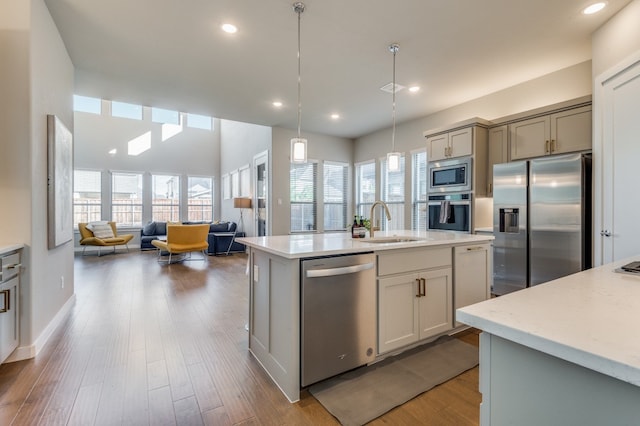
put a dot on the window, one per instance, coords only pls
(165, 198)
(196, 121)
(126, 199)
(200, 199)
(392, 186)
(302, 184)
(87, 104)
(335, 196)
(365, 187)
(125, 110)
(168, 116)
(87, 196)
(419, 191)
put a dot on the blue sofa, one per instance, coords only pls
(218, 244)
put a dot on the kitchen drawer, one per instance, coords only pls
(10, 266)
(406, 260)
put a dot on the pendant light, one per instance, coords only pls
(393, 158)
(299, 144)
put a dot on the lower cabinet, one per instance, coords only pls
(472, 274)
(9, 287)
(416, 305)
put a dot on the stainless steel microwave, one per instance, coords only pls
(450, 175)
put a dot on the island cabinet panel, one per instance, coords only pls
(472, 275)
(415, 299)
(435, 302)
(274, 317)
(526, 387)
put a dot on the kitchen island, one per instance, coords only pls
(420, 279)
(565, 352)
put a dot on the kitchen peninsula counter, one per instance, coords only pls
(563, 352)
(275, 289)
(310, 245)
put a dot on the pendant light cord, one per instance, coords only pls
(394, 49)
(299, 8)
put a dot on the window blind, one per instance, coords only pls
(302, 184)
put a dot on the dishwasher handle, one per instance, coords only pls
(331, 272)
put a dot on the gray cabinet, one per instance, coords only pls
(472, 274)
(414, 296)
(557, 133)
(498, 152)
(9, 303)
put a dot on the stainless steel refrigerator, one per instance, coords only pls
(541, 220)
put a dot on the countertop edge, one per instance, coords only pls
(351, 246)
(604, 365)
(6, 248)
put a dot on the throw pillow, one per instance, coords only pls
(102, 231)
(149, 228)
(161, 228)
(91, 225)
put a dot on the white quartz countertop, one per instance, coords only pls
(589, 318)
(309, 245)
(8, 247)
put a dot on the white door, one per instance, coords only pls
(617, 129)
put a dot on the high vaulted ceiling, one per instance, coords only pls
(173, 54)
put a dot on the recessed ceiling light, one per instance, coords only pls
(594, 8)
(113, 151)
(229, 28)
(414, 89)
(277, 104)
(335, 116)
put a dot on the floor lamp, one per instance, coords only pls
(241, 203)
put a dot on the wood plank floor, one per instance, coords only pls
(150, 344)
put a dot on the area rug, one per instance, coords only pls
(361, 395)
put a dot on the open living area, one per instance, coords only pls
(223, 213)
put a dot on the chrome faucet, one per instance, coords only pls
(375, 227)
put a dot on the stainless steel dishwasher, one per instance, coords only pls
(338, 315)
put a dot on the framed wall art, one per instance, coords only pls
(59, 182)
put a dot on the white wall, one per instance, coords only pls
(36, 79)
(569, 83)
(617, 39)
(51, 93)
(240, 142)
(319, 147)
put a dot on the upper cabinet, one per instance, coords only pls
(557, 133)
(463, 139)
(457, 143)
(498, 152)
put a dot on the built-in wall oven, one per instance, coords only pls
(450, 212)
(450, 175)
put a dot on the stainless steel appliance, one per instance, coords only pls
(450, 212)
(338, 315)
(541, 220)
(450, 175)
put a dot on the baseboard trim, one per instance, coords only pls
(27, 352)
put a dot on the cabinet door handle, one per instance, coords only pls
(418, 292)
(14, 265)
(553, 145)
(546, 147)
(7, 301)
(490, 187)
(474, 248)
(423, 282)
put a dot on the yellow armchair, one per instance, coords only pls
(100, 236)
(182, 239)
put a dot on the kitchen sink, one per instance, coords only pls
(387, 240)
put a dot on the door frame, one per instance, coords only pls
(603, 160)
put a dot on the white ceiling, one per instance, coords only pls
(172, 54)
